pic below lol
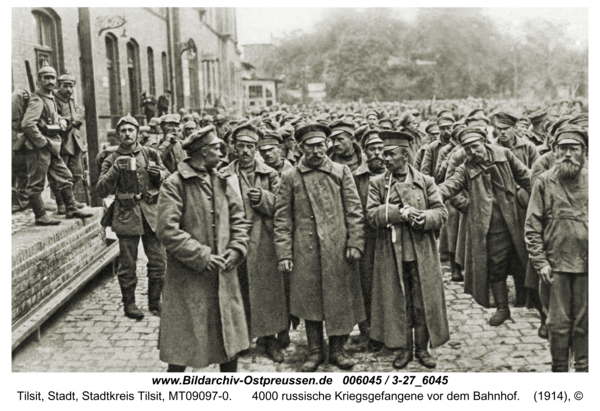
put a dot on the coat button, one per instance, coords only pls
(310, 233)
(312, 217)
(208, 198)
(310, 248)
(212, 211)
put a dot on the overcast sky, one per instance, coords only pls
(258, 25)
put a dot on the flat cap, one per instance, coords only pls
(571, 134)
(154, 121)
(393, 139)
(538, 116)
(371, 137)
(190, 124)
(505, 118)
(128, 119)
(469, 134)
(479, 120)
(581, 120)
(312, 133)
(247, 132)
(456, 131)
(270, 139)
(67, 78)
(432, 128)
(204, 137)
(386, 124)
(445, 113)
(476, 112)
(372, 113)
(340, 127)
(523, 120)
(554, 126)
(406, 119)
(170, 118)
(445, 121)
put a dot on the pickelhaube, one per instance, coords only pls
(128, 119)
(46, 70)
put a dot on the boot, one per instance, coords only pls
(41, 218)
(406, 354)
(457, 275)
(314, 337)
(229, 366)
(559, 350)
(580, 352)
(60, 204)
(283, 338)
(543, 330)
(72, 210)
(374, 345)
(337, 354)
(272, 349)
(154, 291)
(521, 292)
(421, 344)
(175, 368)
(502, 314)
(131, 310)
(365, 332)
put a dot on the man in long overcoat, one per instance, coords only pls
(374, 166)
(202, 225)
(319, 236)
(556, 233)
(262, 283)
(406, 209)
(494, 243)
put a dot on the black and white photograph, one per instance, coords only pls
(381, 192)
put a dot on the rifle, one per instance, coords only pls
(84, 180)
(29, 77)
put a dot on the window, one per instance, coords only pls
(46, 48)
(165, 71)
(114, 77)
(133, 72)
(268, 93)
(151, 79)
(255, 92)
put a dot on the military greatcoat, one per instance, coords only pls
(318, 215)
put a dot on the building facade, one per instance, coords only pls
(191, 52)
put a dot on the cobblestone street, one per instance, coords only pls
(91, 334)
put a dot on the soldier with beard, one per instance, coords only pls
(556, 234)
(374, 166)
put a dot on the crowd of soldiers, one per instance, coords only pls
(340, 218)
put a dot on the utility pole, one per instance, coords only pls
(89, 100)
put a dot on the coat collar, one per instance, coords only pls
(497, 156)
(259, 166)
(363, 169)
(136, 149)
(188, 171)
(41, 93)
(57, 96)
(325, 167)
(413, 177)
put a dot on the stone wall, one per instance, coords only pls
(44, 258)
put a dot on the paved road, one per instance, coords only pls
(91, 334)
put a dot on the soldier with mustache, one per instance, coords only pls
(556, 234)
